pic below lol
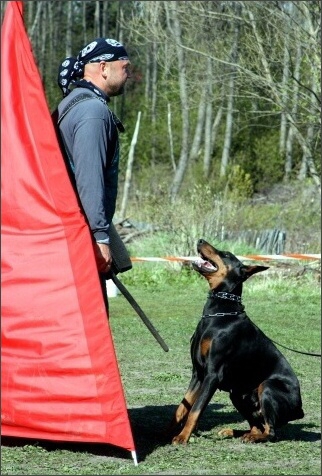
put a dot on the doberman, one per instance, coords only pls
(230, 353)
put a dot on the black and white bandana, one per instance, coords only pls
(101, 49)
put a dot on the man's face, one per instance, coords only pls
(118, 73)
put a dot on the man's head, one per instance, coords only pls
(104, 62)
(109, 76)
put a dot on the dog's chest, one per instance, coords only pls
(223, 343)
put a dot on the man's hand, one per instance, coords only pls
(103, 257)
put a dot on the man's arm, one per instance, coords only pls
(89, 153)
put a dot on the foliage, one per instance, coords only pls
(264, 77)
(258, 154)
(155, 382)
(202, 211)
(238, 184)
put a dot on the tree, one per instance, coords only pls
(299, 92)
(214, 80)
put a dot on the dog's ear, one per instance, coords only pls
(248, 271)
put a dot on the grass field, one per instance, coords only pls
(286, 307)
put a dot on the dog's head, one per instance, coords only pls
(221, 268)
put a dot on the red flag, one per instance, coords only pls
(60, 378)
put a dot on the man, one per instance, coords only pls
(89, 131)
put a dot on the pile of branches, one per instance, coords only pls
(130, 230)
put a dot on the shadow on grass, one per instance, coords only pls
(98, 449)
(298, 432)
(148, 426)
(150, 422)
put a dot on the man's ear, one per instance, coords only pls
(248, 271)
(104, 68)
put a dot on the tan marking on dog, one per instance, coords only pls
(185, 405)
(215, 280)
(226, 433)
(190, 425)
(255, 431)
(191, 396)
(260, 390)
(205, 346)
(256, 434)
(267, 429)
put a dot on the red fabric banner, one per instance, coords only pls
(60, 377)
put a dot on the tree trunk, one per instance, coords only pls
(283, 128)
(154, 78)
(104, 27)
(290, 135)
(215, 127)
(33, 35)
(97, 19)
(30, 15)
(230, 104)
(175, 29)
(84, 23)
(69, 27)
(50, 61)
(208, 121)
(42, 60)
(128, 174)
(310, 135)
(171, 139)
(198, 135)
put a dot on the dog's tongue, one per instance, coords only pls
(201, 263)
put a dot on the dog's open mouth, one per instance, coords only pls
(204, 266)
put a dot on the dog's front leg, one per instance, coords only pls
(204, 396)
(186, 404)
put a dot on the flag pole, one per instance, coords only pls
(133, 453)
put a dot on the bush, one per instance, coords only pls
(200, 213)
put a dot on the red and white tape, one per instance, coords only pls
(286, 257)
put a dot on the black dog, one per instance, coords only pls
(231, 353)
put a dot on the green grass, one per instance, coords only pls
(286, 308)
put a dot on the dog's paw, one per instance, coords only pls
(179, 440)
(226, 433)
(254, 438)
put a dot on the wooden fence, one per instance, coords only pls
(266, 241)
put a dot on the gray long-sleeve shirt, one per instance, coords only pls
(91, 136)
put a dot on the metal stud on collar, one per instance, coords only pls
(220, 314)
(223, 295)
